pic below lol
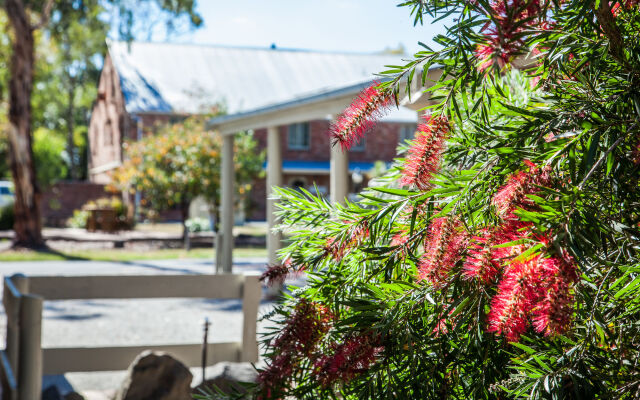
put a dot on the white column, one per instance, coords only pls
(339, 174)
(225, 243)
(274, 178)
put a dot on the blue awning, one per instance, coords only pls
(321, 167)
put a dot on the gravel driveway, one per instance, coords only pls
(132, 322)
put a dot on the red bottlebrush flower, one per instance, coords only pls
(503, 36)
(481, 262)
(616, 8)
(349, 359)
(308, 323)
(513, 194)
(276, 373)
(492, 53)
(360, 116)
(275, 274)
(306, 326)
(423, 159)
(517, 293)
(552, 313)
(445, 243)
(339, 248)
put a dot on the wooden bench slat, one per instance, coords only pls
(137, 286)
(91, 359)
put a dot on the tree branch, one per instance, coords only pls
(44, 16)
(610, 29)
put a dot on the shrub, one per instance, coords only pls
(80, 217)
(198, 225)
(78, 220)
(499, 260)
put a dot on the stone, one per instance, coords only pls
(51, 393)
(73, 396)
(156, 376)
(227, 377)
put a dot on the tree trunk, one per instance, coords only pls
(28, 226)
(73, 173)
(184, 211)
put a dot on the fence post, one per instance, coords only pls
(30, 355)
(14, 287)
(251, 294)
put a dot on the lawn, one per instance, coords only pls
(122, 254)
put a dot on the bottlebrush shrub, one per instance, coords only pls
(499, 258)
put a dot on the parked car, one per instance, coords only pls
(6, 193)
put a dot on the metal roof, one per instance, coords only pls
(183, 78)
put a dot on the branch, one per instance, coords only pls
(44, 16)
(610, 29)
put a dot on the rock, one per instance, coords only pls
(156, 376)
(73, 396)
(51, 393)
(227, 376)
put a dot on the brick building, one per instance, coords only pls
(146, 83)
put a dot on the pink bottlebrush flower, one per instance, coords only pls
(513, 194)
(360, 116)
(481, 262)
(503, 36)
(552, 313)
(349, 359)
(516, 296)
(445, 243)
(400, 241)
(423, 159)
(617, 8)
(490, 54)
(442, 328)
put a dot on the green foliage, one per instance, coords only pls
(48, 149)
(433, 335)
(69, 57)
(182, 161)
(78, 220)
(198, 225)
(81, 216)
(6, 217)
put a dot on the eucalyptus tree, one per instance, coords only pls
(26, 17)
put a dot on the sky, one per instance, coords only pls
(328, 25)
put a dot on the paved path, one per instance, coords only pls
(132, 322)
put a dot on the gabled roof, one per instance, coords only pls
(179, 78)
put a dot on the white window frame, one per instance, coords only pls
(295, 135)
(407, 132)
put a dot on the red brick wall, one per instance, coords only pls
(60, 200)
(380, 143)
